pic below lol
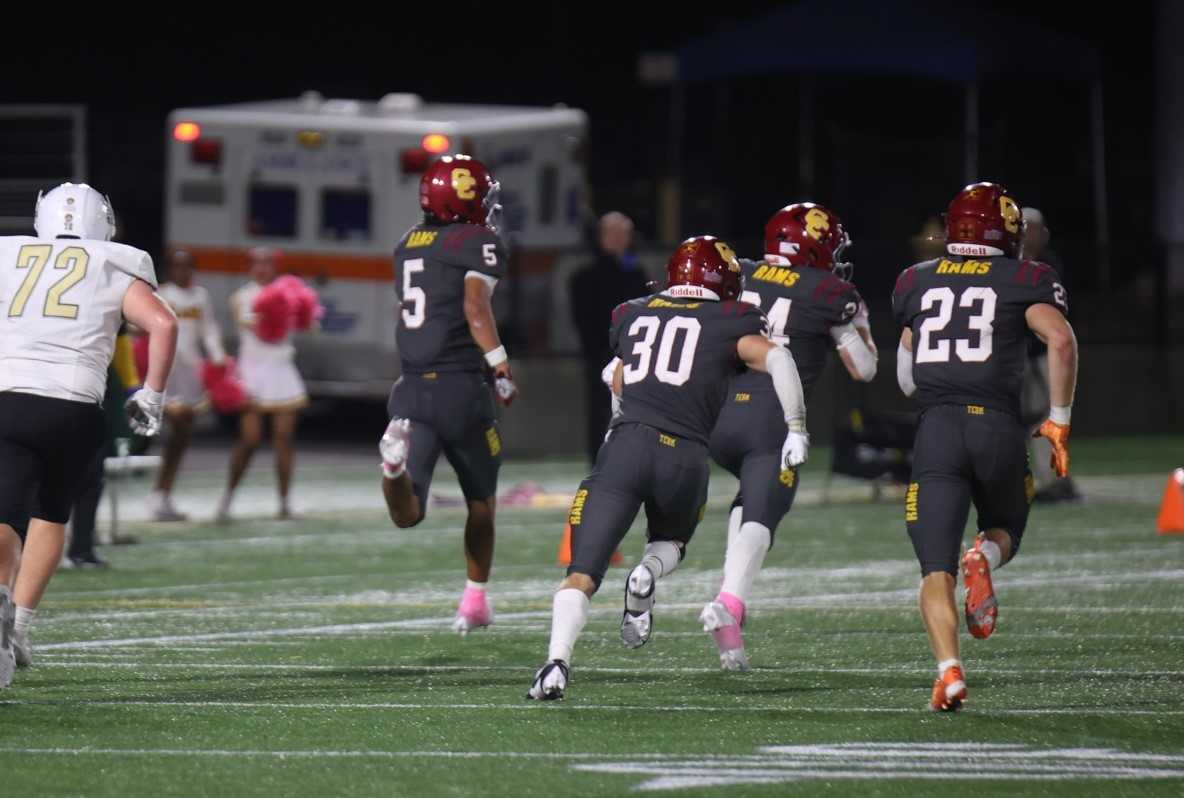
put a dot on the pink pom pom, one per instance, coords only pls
(273, 313)
(303, 301)
(222, 385)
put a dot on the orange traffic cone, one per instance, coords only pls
(563, 556)
(1171, 512)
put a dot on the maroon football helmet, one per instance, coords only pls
(806, 234)
(704, 263)
(458, 188)
(984, 216)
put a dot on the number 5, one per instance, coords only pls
(489, 251)
(414, 316)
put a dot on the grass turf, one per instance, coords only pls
(314, 657)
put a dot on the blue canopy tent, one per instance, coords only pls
(925, 39)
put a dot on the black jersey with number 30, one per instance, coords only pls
(969, 328)
(431, 262)
(677, 357)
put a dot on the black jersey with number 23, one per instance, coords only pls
(969, 326)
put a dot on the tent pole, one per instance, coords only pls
(1101, 212)
(671, 221)
(970, 140)
(806, 135)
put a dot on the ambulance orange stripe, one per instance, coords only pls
(305, 264)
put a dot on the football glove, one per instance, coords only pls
(1058, 436)
(144, 409)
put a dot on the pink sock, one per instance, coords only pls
(473, 603)
(733, 605)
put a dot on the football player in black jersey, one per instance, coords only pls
(445, 271)
(802, 285)
(678, 350)
(966, 318)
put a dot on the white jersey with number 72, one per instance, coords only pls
(61, 305)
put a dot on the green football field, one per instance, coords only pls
(314, 658)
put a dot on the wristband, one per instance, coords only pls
(495, 357)
(1060, 415)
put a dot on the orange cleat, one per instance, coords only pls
(949, 692)
(982, 608)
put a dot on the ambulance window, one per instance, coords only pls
(548, 193)
(272, 211)
(345, 214)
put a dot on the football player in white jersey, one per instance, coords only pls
(185, 397)
(63, 296)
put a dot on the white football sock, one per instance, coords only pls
(945, 665)
(662, 557)
(990, 550)
(569, 613)
(746, 555)
(735, 519)
(471, 585)
(24, 617)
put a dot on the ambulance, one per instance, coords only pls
(332, 184)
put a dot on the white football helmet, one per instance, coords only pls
(74, 209)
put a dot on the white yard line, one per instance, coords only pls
(531, 706)
(758, 671)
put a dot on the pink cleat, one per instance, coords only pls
(723, 618)
(473, 613)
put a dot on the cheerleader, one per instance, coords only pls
(185, 397)
(268, 372)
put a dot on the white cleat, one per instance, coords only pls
(168, 514)
(7, 622)
(22, 649)
(725, 631)
(395, 447)
(550, 683)
(637, 622)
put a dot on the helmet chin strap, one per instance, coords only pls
(974, 250)
(691, 291)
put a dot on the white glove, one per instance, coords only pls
(505, 389)
(793, 451)
(144, 409)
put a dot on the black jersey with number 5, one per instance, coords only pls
(677, 356)
(969, 328)
(803, 305)
(431, 262)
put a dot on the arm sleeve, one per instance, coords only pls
(848, 339)
(788, 386)
(904, 370)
